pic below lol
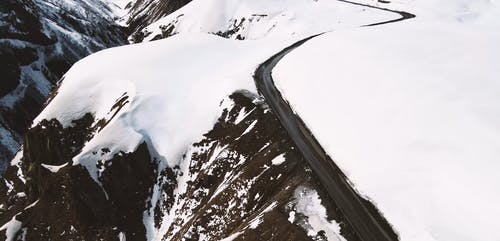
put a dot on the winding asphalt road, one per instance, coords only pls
(365, 219)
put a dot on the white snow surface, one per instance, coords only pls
(484, 12)
(280, 159)
(268, 19)
(53, 168)
(409, 111)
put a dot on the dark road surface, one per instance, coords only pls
(365, 219)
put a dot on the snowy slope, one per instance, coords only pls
(40, 40)
(483, 12)
(245, 19)
(162, 88)
(158, 88)
(409, 112)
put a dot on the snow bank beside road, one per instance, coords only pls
(409, 112)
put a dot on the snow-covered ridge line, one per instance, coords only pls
(244, 19)
(145, 85)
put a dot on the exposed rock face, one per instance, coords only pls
(244, 179)
(39, 41)
(145, 12)
(66, 203)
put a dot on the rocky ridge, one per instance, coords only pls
(244, 179)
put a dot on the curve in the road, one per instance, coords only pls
(404, 15)
(363, 216)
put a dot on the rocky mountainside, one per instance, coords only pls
(243, 179)
(39, 41)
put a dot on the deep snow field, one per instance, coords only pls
(408, 110)
(410, 113)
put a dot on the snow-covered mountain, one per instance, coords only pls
(241, 179)
(41, 39)
(263, 19)
(172, 139)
